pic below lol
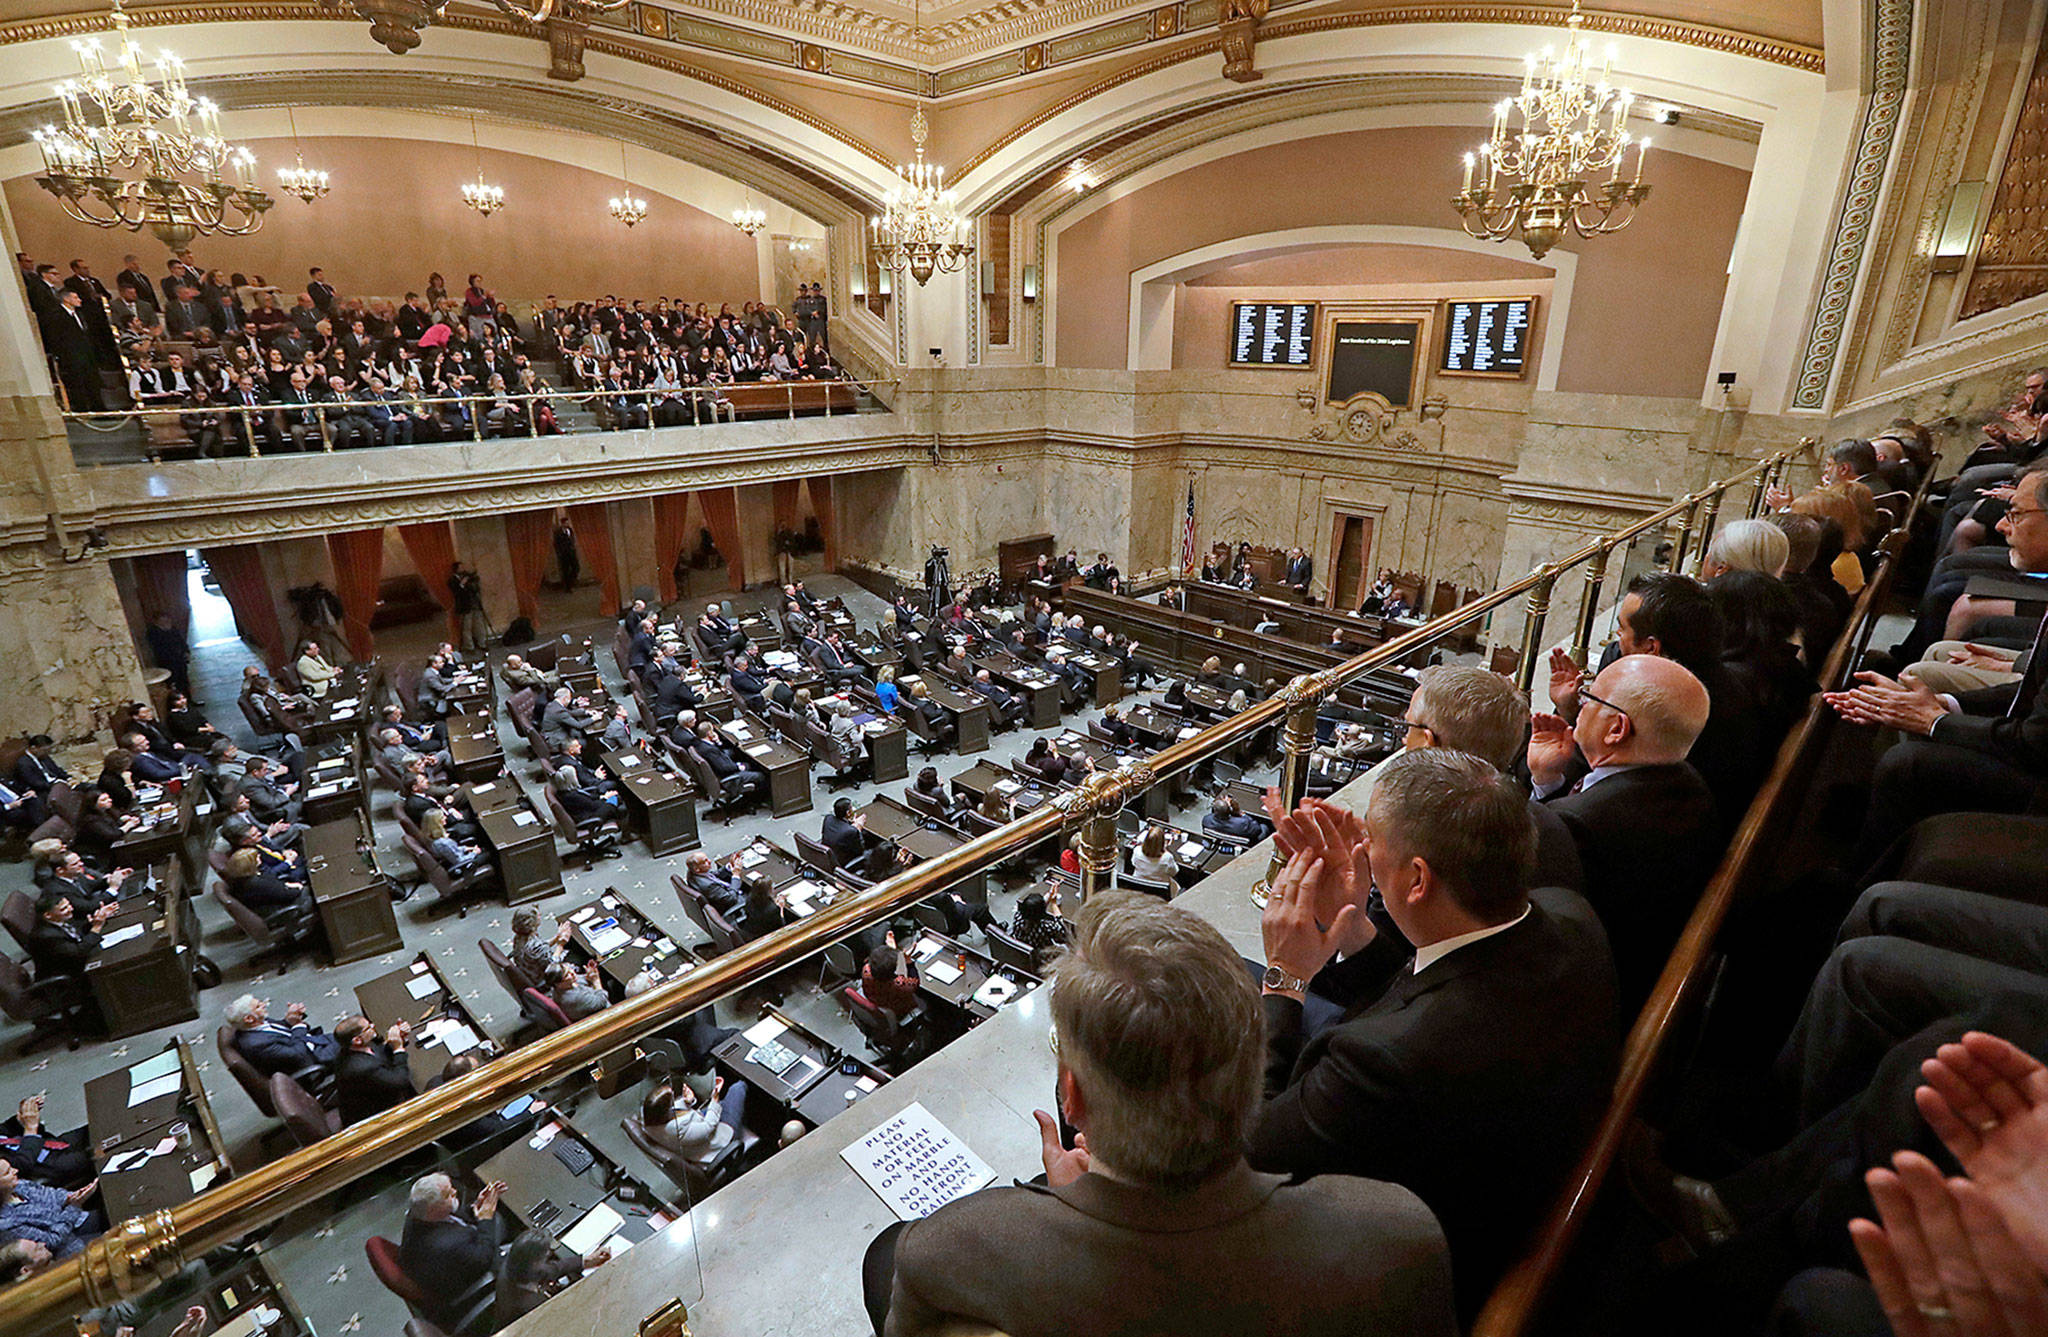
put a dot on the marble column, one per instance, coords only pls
(73, 660)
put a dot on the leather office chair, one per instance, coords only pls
(54, 1006)
(277, 937)
(419, 1327)
(450, 890)
(52, 827)
(475, 1307)
(243, 1071)
(696, 1181)
(693, 907)
(509, 976)
(925, 738)
(1009, 951)
(893, 1043)
(817, 855)
(1132, 882)
(846, 759)
(545, 1011)
(519, 706)
(725, 936)
(715, 800)
(304, 1117)
(932, 917)
(18, 913)
(65, 800)
(593, 839)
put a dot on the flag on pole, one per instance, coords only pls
(1187, 533)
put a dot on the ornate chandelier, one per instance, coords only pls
(480, 194)
(299, 179)
(627, 208)
(920, 229)
(748, 219)
(1537, 179)
(116, 121)
(396, 24)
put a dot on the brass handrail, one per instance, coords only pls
(137, 1253)
(1516, 1299)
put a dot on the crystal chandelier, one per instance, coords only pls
(299, 179)
(116, 121)
(920, 229)
(627, 208)
(1537, 180)
(748, 219)
(396, 24)
(480, 194)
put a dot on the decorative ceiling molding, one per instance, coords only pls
(1007, 41)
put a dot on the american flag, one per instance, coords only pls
(1187, 532)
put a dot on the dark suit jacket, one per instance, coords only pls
(444, 1258)
(1557, 854)
(720, 889)
(1241, 1253)
(844, 839)
(272, 1051)
(1474, 1084)
(367, 1084)
(1649, 838)
(2019, 738)
(61, 949)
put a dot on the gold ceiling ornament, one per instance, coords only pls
(306, 183)
(480, 194)
(1535, 181)
(627, 208)
(396, 24)
(188, 180)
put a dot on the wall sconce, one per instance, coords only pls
(988, 278)
(882, 283)
(1959, 227)
(858, 284)
(1031, 283)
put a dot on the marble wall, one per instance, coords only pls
(72, 657)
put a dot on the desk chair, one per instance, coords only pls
(693, 904)
(18, 913)
(930, 915)
(475, 1308)
(815, 853)
(312, 1078)
(1132, 882)
(66, 800)
(893, 1043)
(696, 1181)
(509, 978)
(591, 840)
(725, 936)
(717, 804)
(419, 1327)
(1009, 951)
(847, 760)
(450, 891)
(304, 1117)
(546, 1012)
(278, 937)
(924, 805)
(925, 739)
(53, 1006)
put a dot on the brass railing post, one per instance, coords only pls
(1095, 806)
(1589, 605)
(249, 429)
(1683, 545)
(474, 407)
(1532, 630)
(1297, 741)
(1706, 535)
(320, 419)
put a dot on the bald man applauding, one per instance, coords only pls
(1644, 821)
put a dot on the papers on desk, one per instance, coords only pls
(806, 1068)
(141, 1093)
(759, 749)
(349, 704)
(120, 935)
(876, 729)
(332, 763)
(524, 819)
(546, 1135)
(605, 941)
(929, 948)
(1191, 849)
(915, 1165)
(150, 1069)
(866, 1085)
(599, 1224)
(751, 857)
(483, 788)
(419, 986)
(945, 972)
(1007, 786)
(418, 967)
(739, 731)
(583, 914)
(628, 759)
(129, 1160)
(995, 991)
(451, 1035)
(1188, 732)
(798, 896)
(203, 1176)
(764, 1030)
(323, 791)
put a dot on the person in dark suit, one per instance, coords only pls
(93, 306)
(1153, 1222)
(1006, 709)
(746, 684)
(261, 892)
(1981, 751)
(845, 835)
(35, 770)
(371, 1075)
(735, 777)
(1646, 826)
(1301, 570)
(1225, 816)
(58, 943)
(831, 661)
(289, 1046)
(1479, 1034)
(320, 290)
(69, 339)
(444, 1253)
(718, 884)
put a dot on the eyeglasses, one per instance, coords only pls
(1421, 728)
(2014, 513)
(1587, 693)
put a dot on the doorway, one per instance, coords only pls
(1350, 550)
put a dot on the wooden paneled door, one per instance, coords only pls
(1350, 548)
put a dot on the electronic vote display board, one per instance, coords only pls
(1376, 355)
(1272, 334)
(1487, 336)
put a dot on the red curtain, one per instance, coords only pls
(529, 536)
(786, 495)
(160, 587)
(238, 571)
(593, 521)
(828, 519)
(358, 558)
(671, 537)
(432, 548)
(722, 517)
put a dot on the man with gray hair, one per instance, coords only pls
(1152, 1221)
(1478, 1038)
(443, 1253)
(290, 1046)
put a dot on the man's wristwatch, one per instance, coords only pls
(1280, 981)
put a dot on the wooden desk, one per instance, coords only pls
(349, 706)
(145, 982)
(779, 866)
(816, 1063)
(528, 863)
(390, 998)
(1023, 792)
(788, 771)
(474, 751)
(491, 796)
(167, 831)
(872, 655)
(978, 969)
(888, 750)
(888, 820)
(635, 942)
(1040, 690)
(335, 787)
(134, 1182)
(1109, 676)
(1157, 729)
(544, 1194)
(969, 713)
(239, 1303)
(664, 810)
(350, 892)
